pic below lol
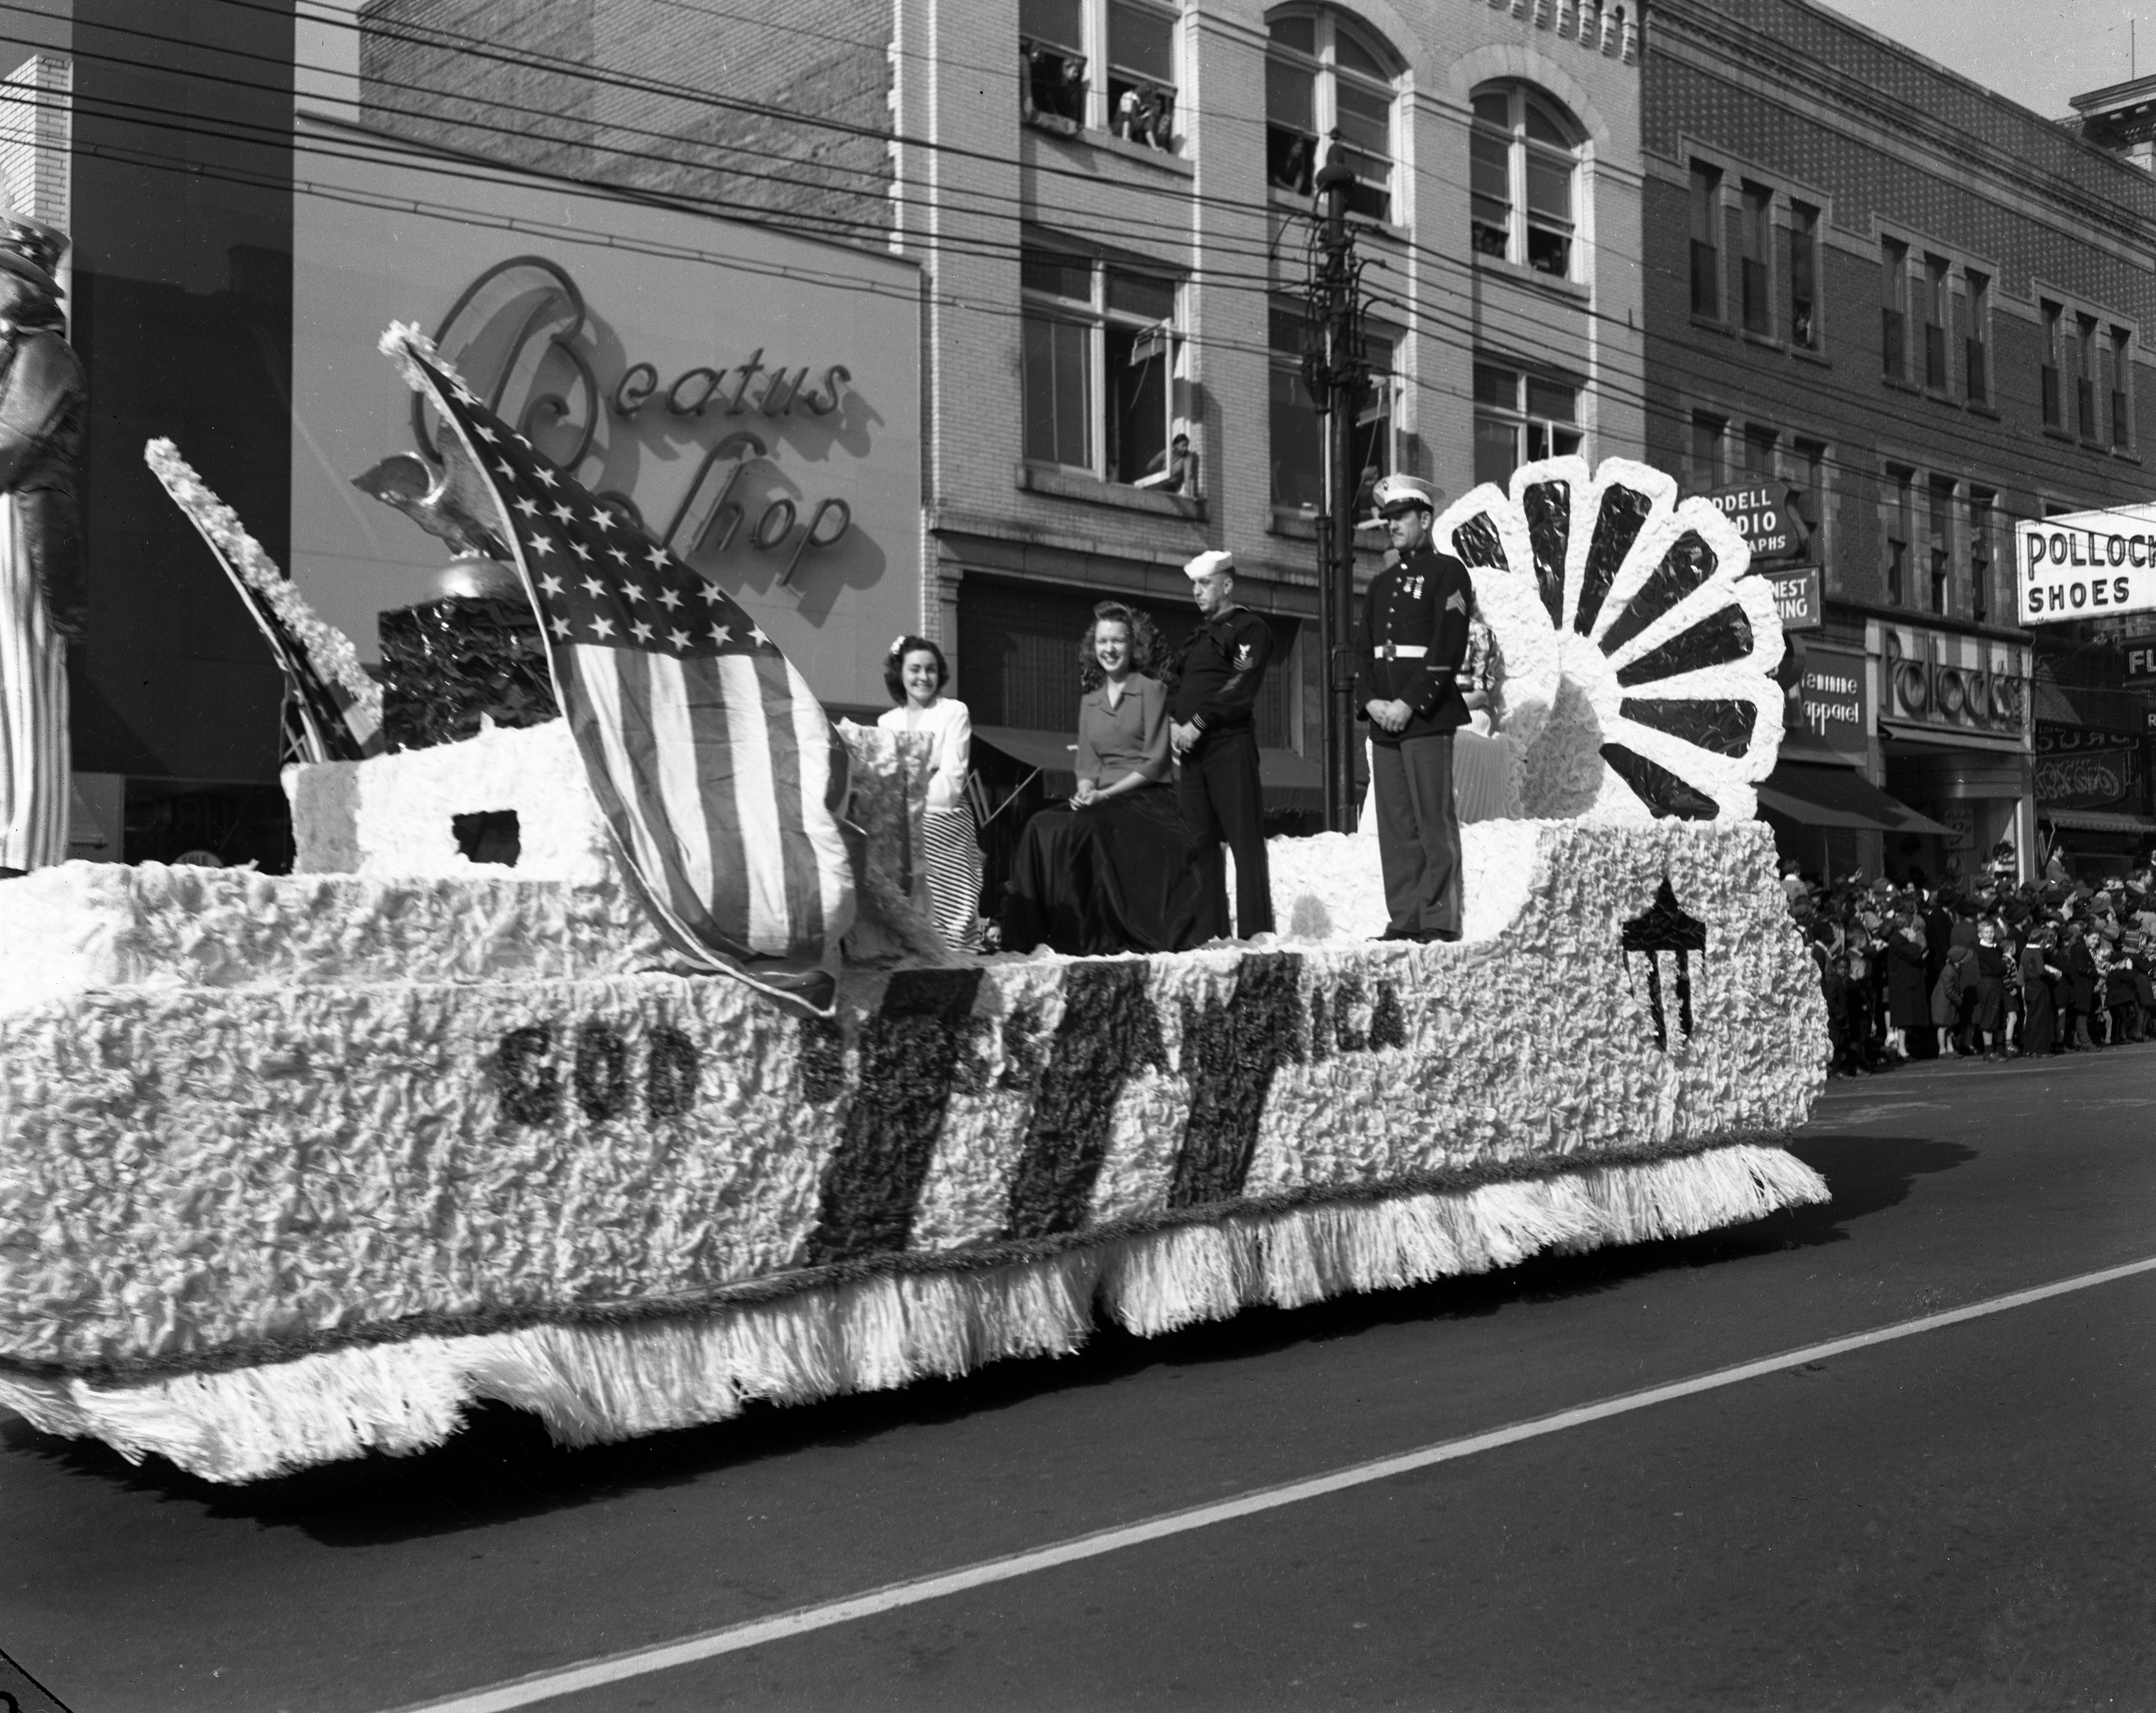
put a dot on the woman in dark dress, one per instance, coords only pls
(1908, 988)
(1987, 1014)
(1105, 872)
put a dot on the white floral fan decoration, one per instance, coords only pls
(1638, 656)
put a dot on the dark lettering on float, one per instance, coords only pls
(671, 1073)
(638, 382)
(601, 1071)
(530, 1087)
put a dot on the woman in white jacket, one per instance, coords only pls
(915, 672)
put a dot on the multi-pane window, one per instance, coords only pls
(1101, 356)
(1983, 513)
(1808, 477)
(1322, 75)
(1804, 275)
(1759, 445)
(1899, 521)
(2122, 371)
(1524, 160)
(1939, 532)
(1297, 431)
(1709, 465)
(1755, 239)
(1706, 241)
(1519, 418)
(1931, 282)
(2054, 319)
(2084, 362)
(1977, 343)
(1893, 299)
(1100, 64)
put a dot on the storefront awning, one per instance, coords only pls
(1827, 796)
(1930, 738)
(1291, 781)
(2095, 821)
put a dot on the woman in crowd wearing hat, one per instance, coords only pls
(2039, 976)
(2077, 992)
(915, 672)
(43, 402)
(1108, 872)
(1908, 987)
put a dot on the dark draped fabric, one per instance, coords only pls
(1107, 879)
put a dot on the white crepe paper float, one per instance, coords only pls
(294, 1168)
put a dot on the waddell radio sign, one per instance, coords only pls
(2085, 565)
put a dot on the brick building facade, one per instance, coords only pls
(1110, 200)
(1923, 308)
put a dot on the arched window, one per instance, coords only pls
(1526, 178)
(1322, 75)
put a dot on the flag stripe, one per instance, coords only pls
(755, 806)
(712, 806)
(798, 862)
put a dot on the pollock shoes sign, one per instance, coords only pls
(751, 398)
(2085, 565)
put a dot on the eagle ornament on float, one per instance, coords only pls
(427, 1132)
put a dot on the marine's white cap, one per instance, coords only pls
(1394, 493)
(1205, 564)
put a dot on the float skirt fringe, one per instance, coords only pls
(595, 1382)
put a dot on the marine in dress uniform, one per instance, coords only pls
(1223, 662)
(42, 406)
(1409, 648)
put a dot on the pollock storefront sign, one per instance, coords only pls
(1941, 684)
(752, 398)
(2085, 565)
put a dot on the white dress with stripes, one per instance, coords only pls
(951, 854)
(33, 711)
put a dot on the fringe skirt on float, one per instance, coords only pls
(951, 859)
(35, 789)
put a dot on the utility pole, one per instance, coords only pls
(1338, 378)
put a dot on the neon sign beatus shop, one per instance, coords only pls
(521, 335)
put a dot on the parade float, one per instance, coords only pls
(297, 1166)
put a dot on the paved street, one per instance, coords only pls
(1959, 1518)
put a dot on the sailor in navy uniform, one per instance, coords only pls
(1223, 661)
(1409, 647)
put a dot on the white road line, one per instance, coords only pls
(642, 1662)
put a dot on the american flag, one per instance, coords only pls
(716, 767)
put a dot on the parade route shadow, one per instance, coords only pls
(502, 1466)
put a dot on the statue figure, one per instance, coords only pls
(44, 404)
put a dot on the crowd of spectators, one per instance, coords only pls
(1982, 966)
